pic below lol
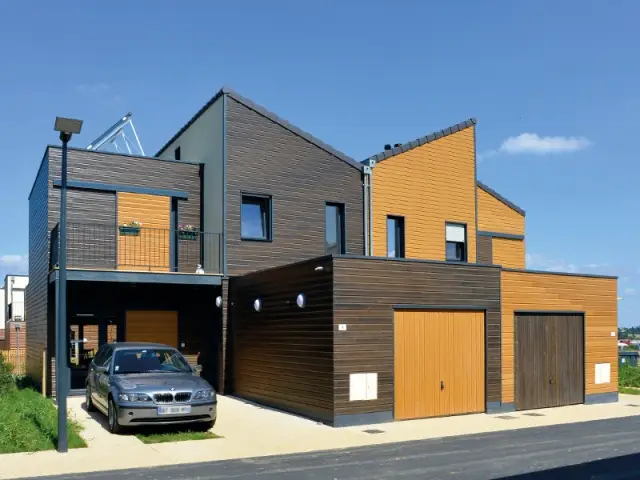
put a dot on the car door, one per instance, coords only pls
(102, 379)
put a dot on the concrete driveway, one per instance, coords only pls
(250, 430)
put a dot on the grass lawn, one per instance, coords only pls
(29, 423)
(164, 436)
(630, 390)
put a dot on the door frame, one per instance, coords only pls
(456, 308)
(584, 346)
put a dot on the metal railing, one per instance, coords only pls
(110, 247)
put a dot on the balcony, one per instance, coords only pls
(138, 249)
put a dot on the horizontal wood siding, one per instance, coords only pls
(36, 296)
(597, 297)
(266, 158)
(485, 253)
(365, 291)
(508, 253)
(283, 355)
(149, 250)
(496, 216)
(429, 186)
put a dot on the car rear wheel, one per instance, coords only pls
(88, 400)
(114, 426)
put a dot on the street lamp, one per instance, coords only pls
(67, 127)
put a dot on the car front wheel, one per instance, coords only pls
(114, 426)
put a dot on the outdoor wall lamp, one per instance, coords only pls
(218, 301)
(301, 300)
(257, 304)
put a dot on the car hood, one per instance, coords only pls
(160, 381)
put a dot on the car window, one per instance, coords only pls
(150, 360)
(100, 356)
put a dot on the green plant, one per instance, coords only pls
(629, 377)
(7, 382)
(132, 223)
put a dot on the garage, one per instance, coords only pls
(439, 363)
(549, 360)
(156, 326)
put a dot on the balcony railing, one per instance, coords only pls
(110, 247)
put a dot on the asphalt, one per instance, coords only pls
(598, 450)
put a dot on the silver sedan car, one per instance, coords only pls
(148, 384)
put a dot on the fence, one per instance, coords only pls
(16, 358)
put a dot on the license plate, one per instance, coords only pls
(174, 410)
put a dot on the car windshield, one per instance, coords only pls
(149, 360)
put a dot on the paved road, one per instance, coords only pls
(601, 450)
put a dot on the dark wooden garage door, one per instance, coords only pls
(549, 360)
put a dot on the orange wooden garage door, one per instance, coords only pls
(156, 326)
(439, 363)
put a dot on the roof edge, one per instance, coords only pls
(250, 104)
(120, 154)
(566, 274)
(405, 147)
(502, 199)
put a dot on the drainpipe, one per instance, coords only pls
(365, 184)
(368, 210)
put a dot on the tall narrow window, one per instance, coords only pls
(176, 153)
(255, 218)
(456, 242)
(334, 238)
(395, 237)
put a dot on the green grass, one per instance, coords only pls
(630, 390)
(629, 377)
(29, 423)
(174, 436)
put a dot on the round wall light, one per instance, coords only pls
(257, 304)
(301, 300)
(218, 301)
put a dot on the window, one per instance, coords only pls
(334, 241)
(395, 237)
(456, 236)
(176, 153)
(256, 218)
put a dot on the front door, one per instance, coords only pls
(86, 336)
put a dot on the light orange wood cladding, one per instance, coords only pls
(149, 250)
(433, 347)
(597, 297)
(508, 252)
(428, 185)
(495, 216)
(156, 326)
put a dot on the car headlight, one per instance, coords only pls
(203, 395)
(134, 397)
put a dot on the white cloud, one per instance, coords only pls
(630, 291)
(532, 143)
(537, 261)
(17, 264)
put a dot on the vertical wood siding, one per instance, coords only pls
(429, 186)
(495, 216)
(153, 326)
(597, 297)
(283, 355)
(265, 158)
(508, 253)
(485, 252)
(365, 291)
(150, 250)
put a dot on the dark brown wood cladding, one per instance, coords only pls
(365, 291)
(484, 249)
(266, 158)
(283, 355)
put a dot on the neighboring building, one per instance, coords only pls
(2, 319)
(13, 307)
(347, 290)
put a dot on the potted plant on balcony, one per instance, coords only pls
(187, 232)
(131, 229)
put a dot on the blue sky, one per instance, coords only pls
(552, 84)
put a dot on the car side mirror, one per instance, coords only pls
(104, 370)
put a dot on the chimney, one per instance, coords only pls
(387, 147)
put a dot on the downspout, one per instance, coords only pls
(368, 209)
(365, 184)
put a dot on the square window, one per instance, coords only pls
(395, 237)
(456, 242)
(255, 218)
(334, 237)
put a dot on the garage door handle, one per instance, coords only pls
(441, 385)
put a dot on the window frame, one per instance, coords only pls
(342, 228)
(399, 235)
(268, 209)
(465, 255)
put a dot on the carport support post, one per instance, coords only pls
(61, 303)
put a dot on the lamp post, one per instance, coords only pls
(67, 127)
